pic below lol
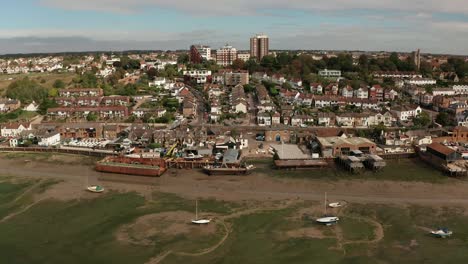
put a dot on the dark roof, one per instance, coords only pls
(441, 148)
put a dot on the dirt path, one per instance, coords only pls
(378, 231)
(24, 209)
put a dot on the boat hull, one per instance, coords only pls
(226, 171)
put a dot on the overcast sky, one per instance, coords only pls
(85, 25)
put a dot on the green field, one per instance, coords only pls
(396, 170)
(45, 79)
(126, 228)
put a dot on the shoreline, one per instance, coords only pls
(258, 186)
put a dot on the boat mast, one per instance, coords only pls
(325, 203)
(196, 210)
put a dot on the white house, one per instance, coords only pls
(443, 91)
(361, 93)
(407, 112)
(264, 119)
(460, 89)
(158, 81)
(330, 73)
(14, 129)
(421, 81)
(48, 139)
(32, 107)
(240, 107)
(347, 91)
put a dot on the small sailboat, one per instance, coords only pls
(327, 219)
(95, 188)
(199, 221)
(441, 232)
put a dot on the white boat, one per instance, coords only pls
(199, 221)
(442, 233)
(95, 188)
(327, 220)
(192, 156)
(335, 205)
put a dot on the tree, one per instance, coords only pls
(183, 58)
(152, 72)
(248, 88)
(238, 64)
(58, 84)
(444, 119)
(91, 117)
(26, 90)
(422, 120)
(46, 104)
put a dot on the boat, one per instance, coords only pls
(441, 232)
(327, 219)
(199, 221)
(192, 156)
(335, 205)
(225, 170)
(95, 188)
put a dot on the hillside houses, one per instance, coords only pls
(238, 100)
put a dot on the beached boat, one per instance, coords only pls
(327, 219)
(336, 205)
(95, 188)
(224, 170)
(441, 232)
(199, 221)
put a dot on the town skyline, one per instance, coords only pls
(58, 26)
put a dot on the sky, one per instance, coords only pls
(30, 26)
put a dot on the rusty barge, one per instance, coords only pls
(132, 166)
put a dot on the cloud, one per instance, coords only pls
(246, 7)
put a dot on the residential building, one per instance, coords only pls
(347, 91)
(48, 139)
(326, 119)
(330, 73)
(9, 105)
(14, 129)
(262, 94)
(421, 81)
(197, 76)
(259, 46)
(198, 53)
(361, 93)
(80, 92)
(264, 119)
(238, 100)
(460, 89)
(243, 56)
(397, 75)
(226, 55)
(233, 77)
(406, 112)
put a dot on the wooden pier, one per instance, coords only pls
(300, 164)
(180, 163)
(351, 163)
(374, 162)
